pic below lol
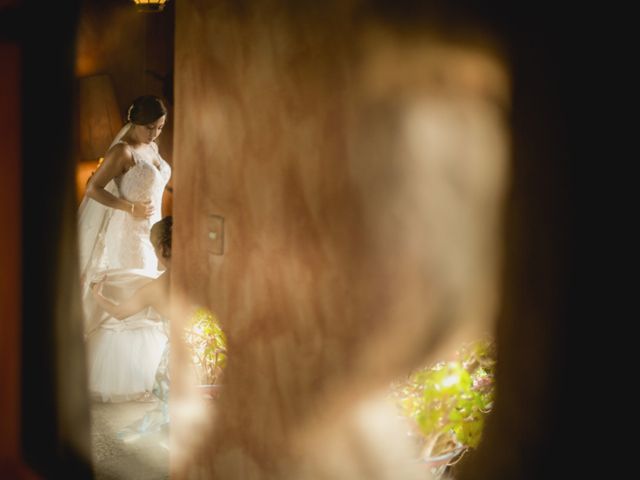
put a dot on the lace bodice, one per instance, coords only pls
(146, 179)
(127, 242)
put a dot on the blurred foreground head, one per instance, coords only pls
(358, 160)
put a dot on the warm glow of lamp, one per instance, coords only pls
(84, 170)
(150, 5)
(99, 121)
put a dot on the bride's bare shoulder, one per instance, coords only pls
(121, 155)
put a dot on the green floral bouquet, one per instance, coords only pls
(447, 403)
(208, 346)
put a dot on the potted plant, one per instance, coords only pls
(447, 403)
(208, 346)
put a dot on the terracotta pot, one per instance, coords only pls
(211, 392)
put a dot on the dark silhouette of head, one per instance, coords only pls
(161, 236)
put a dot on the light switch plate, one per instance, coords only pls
(215, 234)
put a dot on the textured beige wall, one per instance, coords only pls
(359, 169)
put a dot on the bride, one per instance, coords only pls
(122, 201)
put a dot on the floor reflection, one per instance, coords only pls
(144, 458)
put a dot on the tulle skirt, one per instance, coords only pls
(123, 357)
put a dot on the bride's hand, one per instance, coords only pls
(142, 209)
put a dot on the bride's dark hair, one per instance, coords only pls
(161, 235)
(146, 109)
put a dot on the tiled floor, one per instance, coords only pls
(146, 458)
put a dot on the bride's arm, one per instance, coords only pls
(117, 161)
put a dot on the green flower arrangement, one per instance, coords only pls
(208, 345)
(447, 403)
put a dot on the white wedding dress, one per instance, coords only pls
(122, 355)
